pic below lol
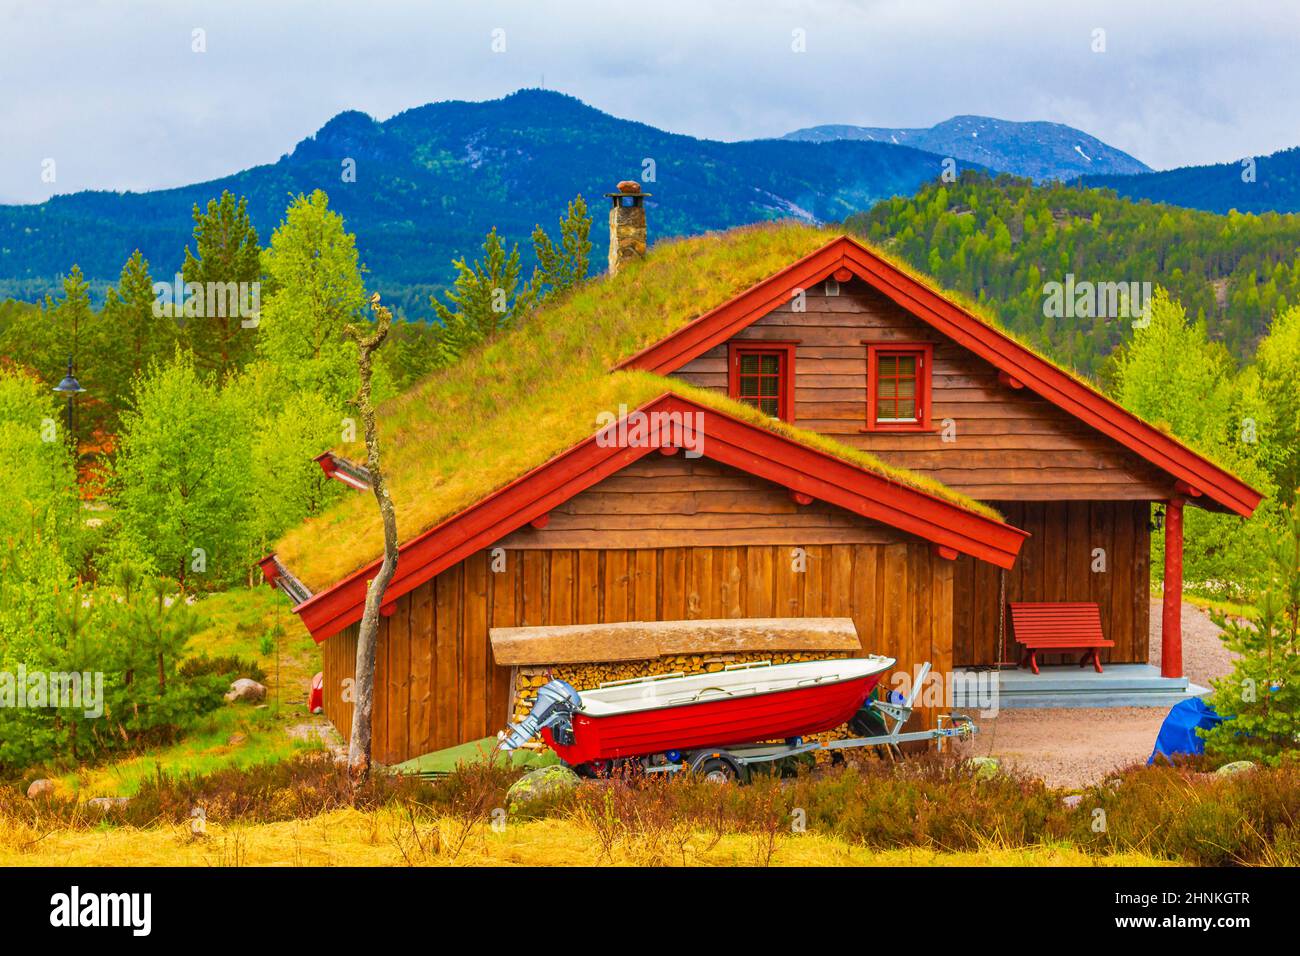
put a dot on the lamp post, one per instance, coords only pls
(70, 387)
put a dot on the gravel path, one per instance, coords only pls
(1076, 747)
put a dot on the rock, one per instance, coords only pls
(1237, 766)
(1073, 800)
(984, 767)
(246, 689)
(235, 739)
(541, 783)
(40, 788)
(629, 187)
(104, 804)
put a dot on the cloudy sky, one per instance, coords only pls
(116, 94)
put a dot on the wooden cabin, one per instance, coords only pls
(831, 438)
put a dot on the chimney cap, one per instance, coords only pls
(628, 187)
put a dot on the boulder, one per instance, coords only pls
(984, 767)
(235, 739)
(541, 783)
(246, 689)
(1072, 800)
(104, 804)
(40, 788)
(1237, 766)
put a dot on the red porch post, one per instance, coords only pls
(1171, 627)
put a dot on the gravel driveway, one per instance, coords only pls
(1076, 747)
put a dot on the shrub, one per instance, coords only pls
(228, 667)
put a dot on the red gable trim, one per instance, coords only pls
(1004, 353)
(724, 439)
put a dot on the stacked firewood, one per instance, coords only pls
(588, 676)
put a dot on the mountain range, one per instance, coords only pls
(1038, 151)
(431, 181)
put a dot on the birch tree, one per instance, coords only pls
(363, 704)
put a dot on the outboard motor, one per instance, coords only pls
(556, 704)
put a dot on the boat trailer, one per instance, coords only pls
(734, 762)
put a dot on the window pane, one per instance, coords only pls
(771, 364)
(748, 363)
(887, 388)
(906, 409)
(888, 365)
(906, 365)
(748, 386)
(770, 406)
(907, 388)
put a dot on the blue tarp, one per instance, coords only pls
(1178, 733)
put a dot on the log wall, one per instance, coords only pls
(437, 686)
(1009, 444)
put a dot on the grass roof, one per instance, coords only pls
(535, 391)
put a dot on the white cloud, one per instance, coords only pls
(114, 94)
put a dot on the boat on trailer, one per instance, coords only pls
(716, 722)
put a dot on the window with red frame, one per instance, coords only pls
(898, 387)
(763, 376)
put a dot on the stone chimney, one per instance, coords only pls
(627, 235)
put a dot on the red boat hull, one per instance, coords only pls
(717, 723)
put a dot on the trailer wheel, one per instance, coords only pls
(717, 766)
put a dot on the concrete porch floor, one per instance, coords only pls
(1120, 685)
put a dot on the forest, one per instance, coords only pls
(191, 448)
(1000, 240)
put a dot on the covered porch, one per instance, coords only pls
(1095, 551)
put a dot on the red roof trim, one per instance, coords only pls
(729, 440)
(969, 331)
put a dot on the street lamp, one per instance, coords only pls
(70, 387)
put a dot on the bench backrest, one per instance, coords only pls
(1057, 622)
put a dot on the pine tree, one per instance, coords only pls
(1262, 694)
(132, 333)
(226, 252)
(563, 266)
(486, 298)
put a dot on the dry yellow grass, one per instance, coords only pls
(385, 838)
(535, 391)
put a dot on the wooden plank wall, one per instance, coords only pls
(665, 501)
(1010, 444)
(437, 686)
(1056, 565)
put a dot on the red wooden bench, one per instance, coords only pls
(1065, 626)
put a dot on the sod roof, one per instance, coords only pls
(535, 391)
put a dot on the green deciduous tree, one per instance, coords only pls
(314, 289)
(182, 484)
(1173, 376)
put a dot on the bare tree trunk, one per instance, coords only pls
(359, 746)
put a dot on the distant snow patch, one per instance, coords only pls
(1078, 150)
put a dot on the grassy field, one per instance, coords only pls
(387, 837)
